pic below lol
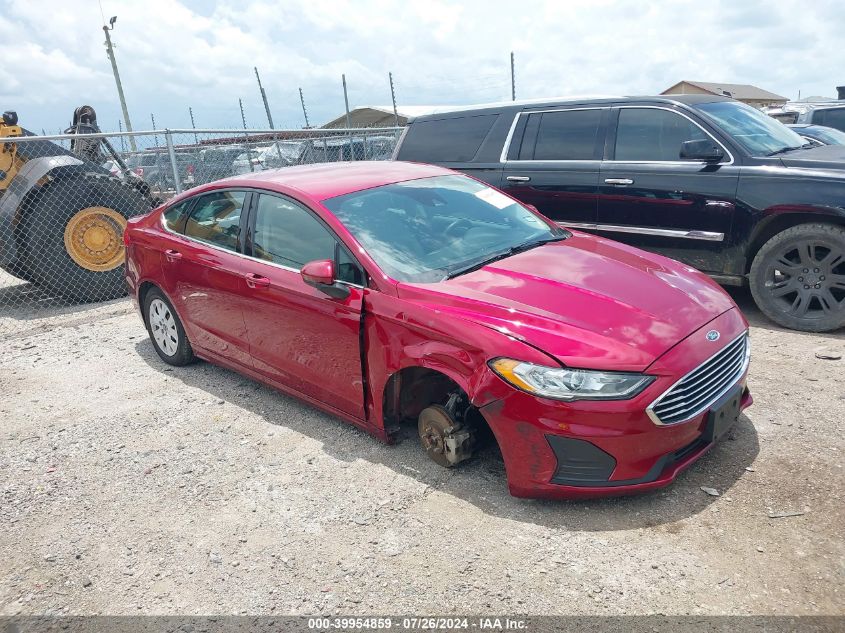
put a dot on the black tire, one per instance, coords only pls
(797, 278)
(180, 353)
(44, 257)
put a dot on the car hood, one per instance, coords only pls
(824, 157)
(587, 301)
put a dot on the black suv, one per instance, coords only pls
(706, 180)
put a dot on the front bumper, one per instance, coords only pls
(603, 448)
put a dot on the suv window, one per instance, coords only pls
(288, 234)
(216, 219)
(564, 135)
(652, 134)
(831, 117)
(446, 140)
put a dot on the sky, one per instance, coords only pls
(176, 54)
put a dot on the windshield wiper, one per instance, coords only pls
(783, 150)
(513, 250)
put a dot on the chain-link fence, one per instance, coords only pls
(65, 199)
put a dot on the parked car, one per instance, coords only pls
(706, 180)
(388, 292)
(279, 154)
(117, 171)
(818, 134)
(156, 169)
(343, 148)
(214, 163)
(827, 113)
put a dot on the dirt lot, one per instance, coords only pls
(131, 487)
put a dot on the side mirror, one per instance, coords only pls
(705, 150)
(320, 274)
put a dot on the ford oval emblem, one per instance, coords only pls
(713, 335)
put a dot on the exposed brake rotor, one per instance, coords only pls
(445, 440)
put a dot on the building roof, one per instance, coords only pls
(741, 92)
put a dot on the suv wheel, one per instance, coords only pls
(798, 277)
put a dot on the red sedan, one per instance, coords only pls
(388, 293)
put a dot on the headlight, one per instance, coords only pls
(569, 384)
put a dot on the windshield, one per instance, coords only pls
(758, 133)
(426, 229)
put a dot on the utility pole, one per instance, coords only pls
(243, 116)
(155, 136)
(110, 50)
(246, 136)
(393, 98)
(304, 111)
(513, 80)
(264, 99)
(193, 125)
(348, 121)
(346, 101)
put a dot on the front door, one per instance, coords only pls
(651, 198)
(553, 162)
(299, 336)
(204, 273)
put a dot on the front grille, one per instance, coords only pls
(700, 388)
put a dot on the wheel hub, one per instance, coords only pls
(94, 238)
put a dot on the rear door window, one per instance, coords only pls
(216, 219)
(652, 134)
(446, 140)
(562, 135)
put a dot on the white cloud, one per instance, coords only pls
(200, 54)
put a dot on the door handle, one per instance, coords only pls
(256, 281)
(518, 178)
(618, 181)
(172, 255)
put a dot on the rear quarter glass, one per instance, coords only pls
(455, 139)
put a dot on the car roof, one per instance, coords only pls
(529, 104)
(321, 181)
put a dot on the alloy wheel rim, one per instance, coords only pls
(163, 327)
(807, 280)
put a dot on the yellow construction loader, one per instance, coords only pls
(62, 214)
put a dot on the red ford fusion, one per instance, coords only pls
(391, 293)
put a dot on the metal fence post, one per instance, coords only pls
(177, 184)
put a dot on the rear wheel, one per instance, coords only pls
(166, 330)
(798, 277)
(71, 236)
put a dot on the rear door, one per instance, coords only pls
(553, 162)
(299, 336)
(651, 198)
(204, 272)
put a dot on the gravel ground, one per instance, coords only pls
(131, 487)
